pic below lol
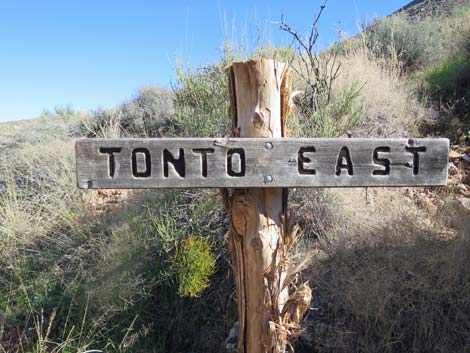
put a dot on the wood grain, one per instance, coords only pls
(258, 216)
(268, 162)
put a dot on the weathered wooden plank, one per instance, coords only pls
(260, 162)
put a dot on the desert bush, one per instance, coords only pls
(149, 114)
(418, 43)
(389, 106)
(398, 104)
(320, 111)
(283, 54)
(329, 119)
(38, 191)
(118, 280)
(400, 289)
(369, 97)
(194, 263)
(450, 81)
(147, 270)
(40, 209)
(86, 280)
(389, 276)
(444, 83)
(448, 88)
(313, 210)
(150, 111)
(457, 34)
(201, 101)
(400, 37)
(47, 128)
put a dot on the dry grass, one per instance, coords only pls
(390, 109)
(39, 192)
(389, 278)
(370, 95)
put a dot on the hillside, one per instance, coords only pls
(150, 271)
(432, 8)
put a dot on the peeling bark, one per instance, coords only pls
(259, 107)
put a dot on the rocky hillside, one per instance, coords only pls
(426, 8)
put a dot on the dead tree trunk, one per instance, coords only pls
(259, 105)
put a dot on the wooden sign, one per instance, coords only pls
(260, 162)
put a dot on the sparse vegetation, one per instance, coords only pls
(149, 114)
(201, 101)
(399, 37)
(397, 286)
(429, 53)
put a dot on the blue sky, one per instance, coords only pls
(96, 54)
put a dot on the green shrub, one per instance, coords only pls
(202, 101)
(283, 54)
(194, 264)
(419, 43)
(331, 118)
(400, 37)
(448, 87)
(34, 293)
(141, 271)
(450, 80)
(106, 281)
(127, 280)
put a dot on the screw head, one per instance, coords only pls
(268, 179)
(268, 145)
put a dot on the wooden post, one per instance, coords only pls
(259, 106)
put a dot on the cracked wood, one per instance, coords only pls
(260, 162)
